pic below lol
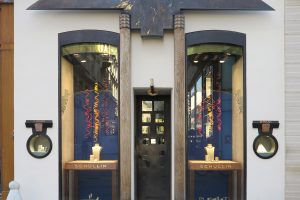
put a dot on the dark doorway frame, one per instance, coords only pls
(168, 98)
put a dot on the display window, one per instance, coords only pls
(215, 121)
(89, 121)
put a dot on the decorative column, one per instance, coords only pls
(125, 108)
(179, 105)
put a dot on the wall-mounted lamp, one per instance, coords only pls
(196, 59)
(152, 91)
(39, 144)
(265, 144)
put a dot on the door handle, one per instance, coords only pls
(143, 158)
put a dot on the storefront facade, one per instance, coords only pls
(215, 71)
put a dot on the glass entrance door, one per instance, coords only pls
(153, 148)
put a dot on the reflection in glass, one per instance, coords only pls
(145, 129)
(192, 109)
(39, 145)
(89, 113)
(159, 105)
(265, 146)
(146, 105)
(146, 118)
(159, 118)
(146, 141)
(214, 94)
(161, 141)
(153, 141)
(160, 129)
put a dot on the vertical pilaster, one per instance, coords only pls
(6, 95)
(125, 108)
(179, 105)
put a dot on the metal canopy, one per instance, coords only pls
(151, 17)
(6, 1)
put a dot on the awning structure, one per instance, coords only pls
(155, 16)
(6, 1)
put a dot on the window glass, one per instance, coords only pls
(146, 118)
(145, 129)
(158, 105)
(89, 120)
(160, 129)
(159, 118)
(214, 94)
(146, 105)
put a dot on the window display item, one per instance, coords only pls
(92, 158)
(210, 152)
(97, 151)
(39, 144)
(265, 144)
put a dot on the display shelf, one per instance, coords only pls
(71, 179)
(221, 165)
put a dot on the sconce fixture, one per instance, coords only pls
(152, 91)
(196, 59)
(265, 144)
(224, 58)
(39, 144)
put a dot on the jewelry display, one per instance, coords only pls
(92, 158)
(96, 151)
(96, 113)
(87, 113)
(210, 152)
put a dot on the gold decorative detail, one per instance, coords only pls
(90, 48)
(64, 101)
(239, 100)
(124, 21)
(266, 127)
(91, 165)
(208, 165)
(96, 113)
(179, 21)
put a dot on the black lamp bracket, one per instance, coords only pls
(265, 127)
(39, 126)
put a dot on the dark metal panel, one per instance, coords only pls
(6, 1)
(151, 17)
(73, 37)
(76, 5)
(258, 5)
(215, 36)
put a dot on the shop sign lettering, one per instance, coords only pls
(214, 198)
(90, 166)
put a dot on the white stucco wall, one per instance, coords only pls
(36, 83)
(153, 58)
(36, 87)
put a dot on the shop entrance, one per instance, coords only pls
(153, 148)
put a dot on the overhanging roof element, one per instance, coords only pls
(151, 16)
(6, 1)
